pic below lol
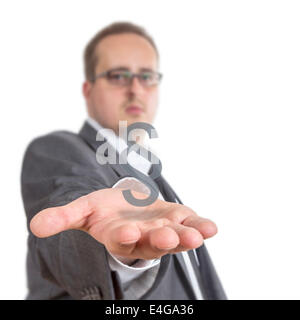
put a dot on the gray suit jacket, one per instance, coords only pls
(58, 168)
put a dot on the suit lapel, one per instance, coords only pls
(89, 134)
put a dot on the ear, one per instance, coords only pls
(86, 90)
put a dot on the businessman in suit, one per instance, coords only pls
(85, 240)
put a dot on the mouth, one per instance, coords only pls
(134, 110)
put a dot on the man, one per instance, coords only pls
(85, 240)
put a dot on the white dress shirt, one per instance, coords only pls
(129, 272)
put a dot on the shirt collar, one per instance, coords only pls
(117, 142)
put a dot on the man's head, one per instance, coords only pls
(120, 45)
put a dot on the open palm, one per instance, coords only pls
(126, 230)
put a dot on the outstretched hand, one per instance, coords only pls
(126, 230)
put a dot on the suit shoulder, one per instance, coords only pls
(64, 145)
(56, 139)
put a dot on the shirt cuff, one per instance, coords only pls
(127, 272)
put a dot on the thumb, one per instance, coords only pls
(51, 221)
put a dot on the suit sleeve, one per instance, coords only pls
(57, 169)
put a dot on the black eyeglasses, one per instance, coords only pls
(125, 77)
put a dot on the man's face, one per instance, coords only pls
(108, 103)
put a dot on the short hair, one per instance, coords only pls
(90, 58)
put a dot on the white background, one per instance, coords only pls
(228, 122)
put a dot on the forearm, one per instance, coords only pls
(72, 259)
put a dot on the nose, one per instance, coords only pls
(135, 86)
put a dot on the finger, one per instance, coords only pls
(205, 226)
(163, 238)
(121, 240)
(190, 238)
(179, 213)
(54, 220)
(155, 243)
(172, 239)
